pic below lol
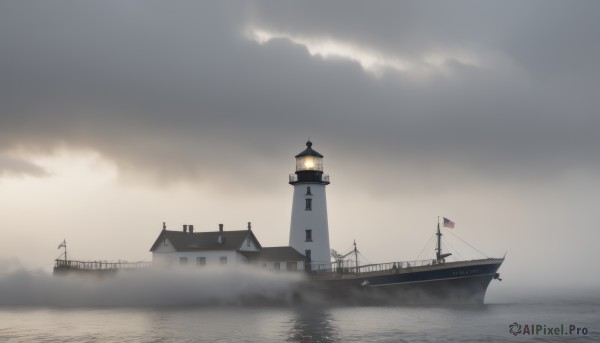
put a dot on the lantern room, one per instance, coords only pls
(309, 160)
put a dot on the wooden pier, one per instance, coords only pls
(62, 266)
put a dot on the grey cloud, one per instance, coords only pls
(178, 90)
(11, 166)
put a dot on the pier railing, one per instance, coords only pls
(100, 265)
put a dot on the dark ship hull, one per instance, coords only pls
(463, 282)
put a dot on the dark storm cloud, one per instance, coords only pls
(180, 90)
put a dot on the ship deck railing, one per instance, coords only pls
(348, 267)
(100, 265)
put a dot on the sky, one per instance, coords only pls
(117, 116)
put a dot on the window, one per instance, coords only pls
(200, 261)
(308, 236)
(166, 241)
(248, 241)
(183, 261)
(277, 266)
(292, 265)
(223, 259)
(308, 191)
(308, 255)
(308, 204)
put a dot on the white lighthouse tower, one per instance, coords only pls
(309, 232)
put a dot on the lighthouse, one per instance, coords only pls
(309, 232)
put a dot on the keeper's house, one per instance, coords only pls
(187, 248)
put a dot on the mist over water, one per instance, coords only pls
(209, 286)
(228, 304)
(230, 286)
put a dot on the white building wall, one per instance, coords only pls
(172, 259)
(165, 256)
(161, 255)
(315, 220)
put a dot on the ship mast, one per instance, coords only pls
(439, 256)
(355, 257)
(339, 258)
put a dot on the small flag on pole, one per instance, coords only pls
(448, 223)
(63, 244)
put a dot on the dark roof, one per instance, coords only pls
(187, 241)
(309, 151)
(274, 254)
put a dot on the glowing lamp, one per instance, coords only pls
(309, 160)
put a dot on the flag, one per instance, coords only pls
(63, 244)
(448, 223)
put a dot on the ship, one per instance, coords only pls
(429, 281)
(345, 280)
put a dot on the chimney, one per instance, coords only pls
(191, 227)
(220, 227)
(249, 226)
(184, 228)
(164, 225)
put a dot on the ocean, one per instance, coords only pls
(490, 322)
(214, 307)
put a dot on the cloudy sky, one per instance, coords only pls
(118, 115)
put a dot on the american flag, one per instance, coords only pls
(448, 223)
(63, 244)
